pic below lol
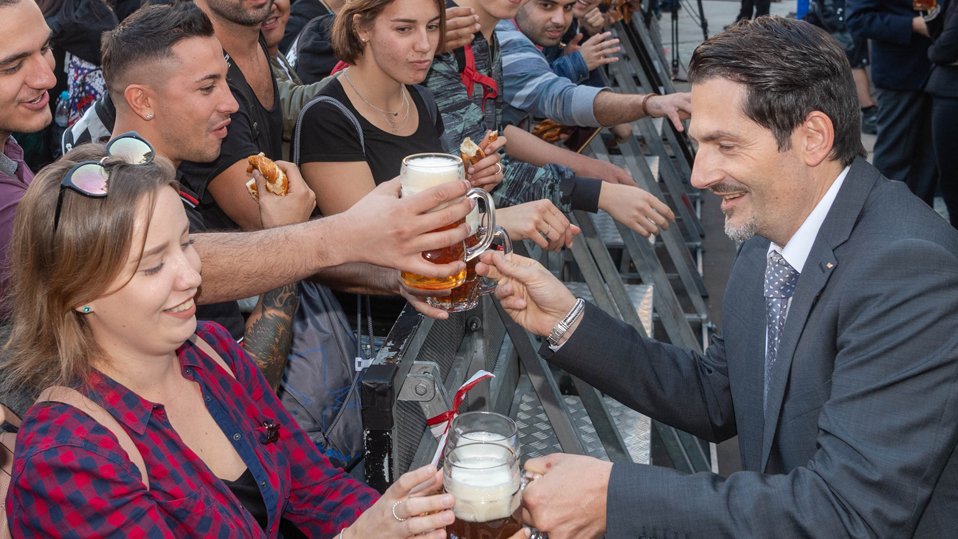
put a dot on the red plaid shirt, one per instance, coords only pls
(71, 478)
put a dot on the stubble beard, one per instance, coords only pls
(227, 10)
(741, 233)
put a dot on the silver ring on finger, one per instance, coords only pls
(499, 169)
(395, 514)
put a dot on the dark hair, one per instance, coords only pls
(55, 271)
(789, 68)
(344, 38)
(147, 35)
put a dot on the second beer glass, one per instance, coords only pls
(485, 479)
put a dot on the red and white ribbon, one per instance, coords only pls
(439, 425)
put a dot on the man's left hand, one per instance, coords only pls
(568, 499)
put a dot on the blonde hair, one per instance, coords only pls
(345, 34)
(54, 272)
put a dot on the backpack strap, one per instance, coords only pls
(470, 76)
(429, 100)
(8, 441)
(74, 398)
(342, 108)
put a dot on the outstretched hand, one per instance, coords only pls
(540, 221)
(597, 51)
(635, 208)
(676, 107)
(531, 295)
(393, 232)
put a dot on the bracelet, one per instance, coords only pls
(645, 102)
(563, 325)
(342, 534)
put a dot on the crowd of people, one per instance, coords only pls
(839, 393)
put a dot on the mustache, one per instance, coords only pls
(726, 188)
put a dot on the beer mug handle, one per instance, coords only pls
(488, 223)
(500, 237)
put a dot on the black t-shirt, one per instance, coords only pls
(253, 129)
(327, 135)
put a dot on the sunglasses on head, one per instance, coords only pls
(91, 178)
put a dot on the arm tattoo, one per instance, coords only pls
(269, 331)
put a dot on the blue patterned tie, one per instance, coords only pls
(780, 280)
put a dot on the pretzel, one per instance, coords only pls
(471, 152)
(276, 180)
(550, 130)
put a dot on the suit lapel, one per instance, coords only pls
(744, 294)
(821, 262)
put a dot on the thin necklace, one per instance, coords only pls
(391, 117)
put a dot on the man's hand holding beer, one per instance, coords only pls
(568, 499)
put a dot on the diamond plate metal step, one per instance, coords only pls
(537, 438)
(640, 294)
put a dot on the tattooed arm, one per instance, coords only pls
(269, 331)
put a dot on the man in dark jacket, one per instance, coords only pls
(899, 37)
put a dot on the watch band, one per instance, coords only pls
(563, 325)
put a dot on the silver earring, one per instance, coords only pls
(149, 116)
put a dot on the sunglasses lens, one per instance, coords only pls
(132, 150)
(90, 179)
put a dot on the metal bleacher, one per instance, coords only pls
(656, 286)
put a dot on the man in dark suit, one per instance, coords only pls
(838, 363)
(900, 66)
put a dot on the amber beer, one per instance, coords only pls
(466, 295)
(485, 480)
(924, 5)
(420, 172)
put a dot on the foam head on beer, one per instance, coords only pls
(485, 480)
(423, 171)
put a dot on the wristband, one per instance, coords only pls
(555, 337)
(645, 102)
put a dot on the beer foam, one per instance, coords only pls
(429, 171)
(485, 484)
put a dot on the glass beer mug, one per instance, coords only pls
(422, 171)
(486, 481)
(466, 296)
(485, 428)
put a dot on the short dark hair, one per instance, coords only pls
(147, 35)
(789, 68)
